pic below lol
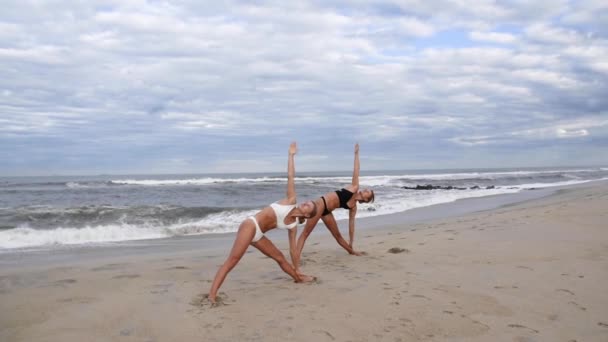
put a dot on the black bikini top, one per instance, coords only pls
(344, 196)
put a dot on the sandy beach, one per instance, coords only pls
(532, 271)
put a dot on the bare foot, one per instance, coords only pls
(300, 274)
(359, 253)
(307, 278)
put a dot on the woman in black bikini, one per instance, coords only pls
(346, 198)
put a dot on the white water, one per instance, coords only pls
(229, 221)
(364, 180)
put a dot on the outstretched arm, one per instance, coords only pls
(310, 225)
(291, 174)
(330, 223)
(351, 225)
(355, 180)
(293, 233)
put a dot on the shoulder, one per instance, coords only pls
(352, 188)
(291, 200)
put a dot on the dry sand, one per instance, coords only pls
(535, 271)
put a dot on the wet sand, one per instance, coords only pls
(533, 271)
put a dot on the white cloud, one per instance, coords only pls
(495, 37)
(563, 133)
(415, 27)
(152, 73)
(466, 98)
(546, 33)
(562, 130)
(217, 120)
(548, 77)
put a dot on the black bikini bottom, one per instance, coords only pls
(325, 211)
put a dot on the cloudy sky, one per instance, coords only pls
(136, 86)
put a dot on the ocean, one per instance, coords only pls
(56, 211)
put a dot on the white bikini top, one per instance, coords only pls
(281, 210)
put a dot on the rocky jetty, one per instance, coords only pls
(439, 187)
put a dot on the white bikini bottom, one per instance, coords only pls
(258, 232)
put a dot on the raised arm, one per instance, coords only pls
(291, 174)
(355, 180)
(353, 211)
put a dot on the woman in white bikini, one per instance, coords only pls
(283, 214)
(346, 198)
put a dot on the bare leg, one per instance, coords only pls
(332, 225)
(243, 239)
(270, 250)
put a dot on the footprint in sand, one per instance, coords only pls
(108, 267)
(178, 268)
(126, 276)
(566, 290)
(202, 301)
(526, 268)
(580, 307)
(524, 339)
(161, 288)
(79, 300)
(499, 287)
(127, 331)
(64, 282)
(396, 250)
(327, 333)
(519, 326)
(421, 296)
(602, 324)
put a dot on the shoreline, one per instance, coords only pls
(48, 256)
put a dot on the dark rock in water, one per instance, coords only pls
(439, 187)
(531, 188)
(421, 187)
(432, 187)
